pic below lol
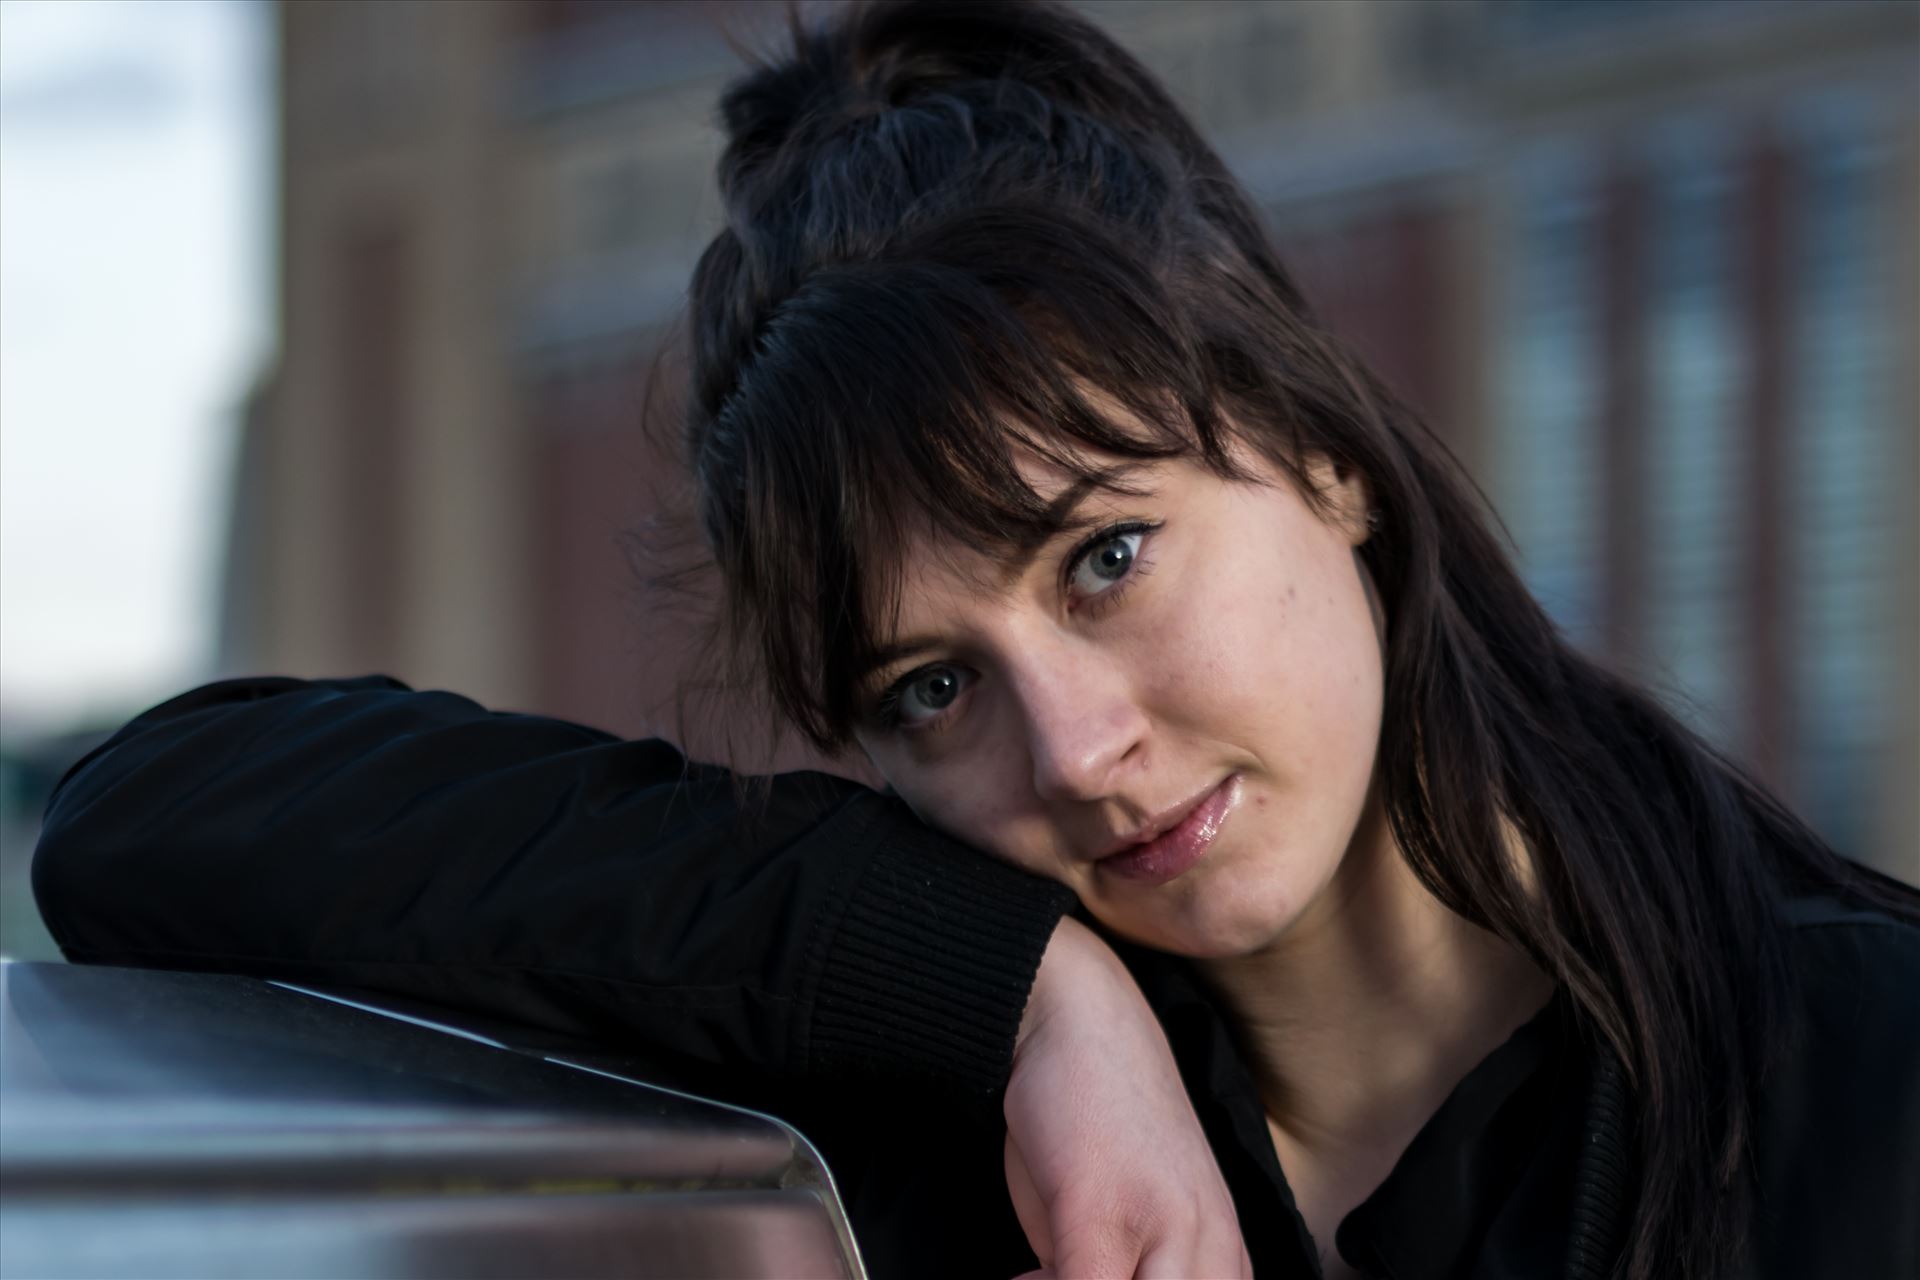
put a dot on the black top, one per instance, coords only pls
(1484, 1190)
(1525, 1171)
(823, 955)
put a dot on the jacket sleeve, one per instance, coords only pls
(357, 833)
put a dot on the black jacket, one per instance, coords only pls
(817, 952)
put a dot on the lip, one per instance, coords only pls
(1176, 841)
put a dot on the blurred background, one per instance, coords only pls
(325, 329)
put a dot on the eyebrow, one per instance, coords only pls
(1061, 517)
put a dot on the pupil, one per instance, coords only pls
(1113, 559)
(939, 689)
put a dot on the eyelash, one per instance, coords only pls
(887, 709)
(1097, 605)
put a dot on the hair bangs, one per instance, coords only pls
(919, 395)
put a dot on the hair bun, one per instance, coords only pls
(882, 54)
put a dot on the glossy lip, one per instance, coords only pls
(1173, 843)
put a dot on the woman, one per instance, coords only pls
(1029, 474)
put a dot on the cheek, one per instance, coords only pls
(1289, 665)
(1333, 662)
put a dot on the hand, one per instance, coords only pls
(1108, 1169)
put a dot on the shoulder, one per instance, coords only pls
(1846, 955)
(1853, 1046)
(1837, 1137)
(1857, 975)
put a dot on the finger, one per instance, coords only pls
(1190, 1260)
(1100, 1245)
(1180, 1261)
(1171, 1263)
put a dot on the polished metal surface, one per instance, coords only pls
(171, 1124)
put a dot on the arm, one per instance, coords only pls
(355, 832)
(1105, 1160)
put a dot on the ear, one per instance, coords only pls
(1347, 499)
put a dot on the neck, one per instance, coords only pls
(1366, 1012)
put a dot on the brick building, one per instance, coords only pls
(1650, 268)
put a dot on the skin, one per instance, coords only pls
(1242, 647)
(1074, 729)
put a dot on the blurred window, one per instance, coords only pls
(1844, 464)
(1434, 46)
(1696, 453)
(552, 17)
(1555, 19)
(1547, 460)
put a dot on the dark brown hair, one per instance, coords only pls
(945, 220)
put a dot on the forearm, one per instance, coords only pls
(359, 833)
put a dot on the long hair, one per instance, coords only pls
(946, 222)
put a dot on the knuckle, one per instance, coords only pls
(1141, 1217)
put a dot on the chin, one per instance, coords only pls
(1217, 919)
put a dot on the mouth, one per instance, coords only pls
(1181, 841)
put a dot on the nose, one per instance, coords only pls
(1084, 726)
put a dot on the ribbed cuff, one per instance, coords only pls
(927, 975)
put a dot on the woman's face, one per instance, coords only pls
(1201, 659)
